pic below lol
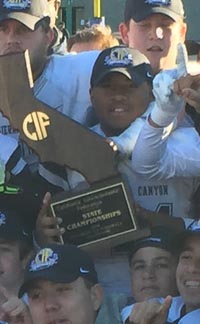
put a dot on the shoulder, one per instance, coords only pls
(70, 66)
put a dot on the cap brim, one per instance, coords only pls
(47, 274)
(134, 77)
(24, 18)
(158, 10)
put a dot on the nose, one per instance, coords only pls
(195, 266)
(51, 303)
(149, 272)
(13, 37)
(156, 32)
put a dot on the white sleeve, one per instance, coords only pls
(157, 155)
(8, 145)
(125, 313)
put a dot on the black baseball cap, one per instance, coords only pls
(161, 237)
(12, 227)
(193, 46)
(122, 59)
(139, 10)
(28, 12)
(193, 230)
(60, 264)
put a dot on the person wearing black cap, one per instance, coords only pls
(184, 309)
(62, 287)
(122, 109)
(15, 248)
(155, 28)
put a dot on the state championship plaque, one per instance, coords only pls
(102, 212)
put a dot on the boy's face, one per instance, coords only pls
(153, 273)
(72, 303)
(157, 38)
(117, 102)
(188, 273)
(11, 266)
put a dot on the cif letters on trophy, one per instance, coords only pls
(102, 212)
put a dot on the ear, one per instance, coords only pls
(49, 37)
(96, 296)
(26, 259)
(57, 6)
(183, 32)
(123, 29)
(92, 97)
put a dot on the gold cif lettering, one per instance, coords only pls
(40, 121)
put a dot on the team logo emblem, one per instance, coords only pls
(119, 57)
(16, 4)
(38, 121)
(158, 2)
(44, 259)
(2, 219)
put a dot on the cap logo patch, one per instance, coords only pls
(119, 57)
(44, 259)
(195, 226)
(82, 270)
(158, 2)
(152, 239)
(16, 4)
(2, 219)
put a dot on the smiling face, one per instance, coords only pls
(153, 273)
(156, 37)
(65, 303)
(188, 273)
(117, 102)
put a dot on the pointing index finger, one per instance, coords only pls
(182, 61)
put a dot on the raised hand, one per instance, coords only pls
(13, 310)
(168, 104)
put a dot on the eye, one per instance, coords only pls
(138, 267)
(162, 265)
(34, 295)
(62, 288)
(185, 256)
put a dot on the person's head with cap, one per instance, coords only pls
(25, 24)
(193, 48)
(188, 269)
(155, 27)
(120, 88)
(153, 262)
(62, 286)
(15, 248)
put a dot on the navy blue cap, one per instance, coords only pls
(60, 264)
(139, 10)
(161, 237)
(28, 12)
(125, 60)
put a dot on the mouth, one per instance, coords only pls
(154, 48)
(13, 50)
(61, 321)
(149, 288)
(119, 110)
(192, 284)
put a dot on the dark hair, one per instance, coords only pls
(24, 249)
(44, 24)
